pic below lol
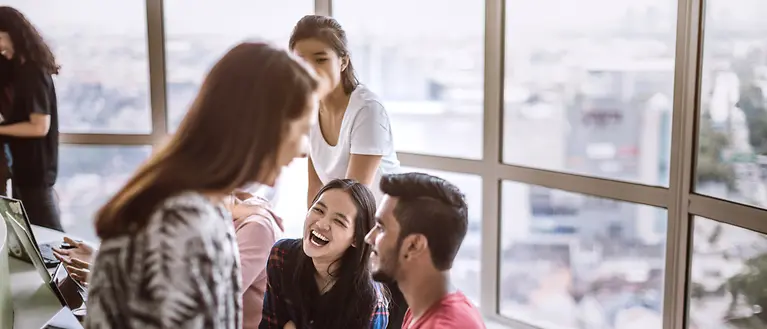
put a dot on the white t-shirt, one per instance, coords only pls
(365, 130)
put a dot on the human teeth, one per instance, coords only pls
(320, 236)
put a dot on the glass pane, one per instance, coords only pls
(589, 87)
(88, 177)
(732, 145)
(465, 272)
(431, 82)
(290, 197)
(575, 261)
(728, 277)
(198, 33)
(103, 86)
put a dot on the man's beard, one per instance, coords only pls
(381, 275)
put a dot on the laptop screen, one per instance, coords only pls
(21, 235)
(12, 211)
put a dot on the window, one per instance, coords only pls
(290, 197)
(431, 82)
(103, 86)
(465, 272)
(587, 87)
(198, 33)
(727, 277)
(598, 266)
(732, 145)
(88, 177)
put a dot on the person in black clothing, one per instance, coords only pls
(31, 126)
(6, 98)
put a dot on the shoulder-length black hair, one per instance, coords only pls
(27, 41)
(349, 304)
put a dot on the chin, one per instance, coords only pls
(380, 275)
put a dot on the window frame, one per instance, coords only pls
(678, 198)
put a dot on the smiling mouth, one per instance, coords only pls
(318, 239)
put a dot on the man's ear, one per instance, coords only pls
(414, 245)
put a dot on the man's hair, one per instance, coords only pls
(431, 206)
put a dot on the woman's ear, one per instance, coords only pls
(344, 63)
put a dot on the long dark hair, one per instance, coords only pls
(351, 300)
(28, 44)
(330, 32)
(230, 136)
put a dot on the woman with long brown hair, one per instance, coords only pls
(31, 126)
(168, 257)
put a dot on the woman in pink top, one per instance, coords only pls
(257, 229)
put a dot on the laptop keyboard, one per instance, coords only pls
(46, 250)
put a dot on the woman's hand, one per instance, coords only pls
(79, 250)
(76, 259)
(79, 271)
(289, 325)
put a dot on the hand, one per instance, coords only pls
(79, 270)
(80, 250)
(289, 325)
(262, 207)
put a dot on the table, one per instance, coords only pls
(34, 302)
(6, 299)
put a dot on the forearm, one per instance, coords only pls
(24, 129)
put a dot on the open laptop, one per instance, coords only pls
(64, 319)
(14, 210)
(67, 290)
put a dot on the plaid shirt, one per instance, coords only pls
(276, 312)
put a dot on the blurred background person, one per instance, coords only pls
(31, 126)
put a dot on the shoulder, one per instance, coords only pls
(287, 245)
(282, 250)
(368, 103)
(191, 204)
(457, 311)
(32, 74)
(256, 230)
(189, 216)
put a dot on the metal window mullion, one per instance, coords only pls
(323, 7)
(682, 170)
(105, 139)
(594, 186)
(157, 69)
(731, 213)
(491, 156)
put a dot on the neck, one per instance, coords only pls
(336, 101)
(323, 268)
(424, 289)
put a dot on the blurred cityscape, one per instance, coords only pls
(589, 90)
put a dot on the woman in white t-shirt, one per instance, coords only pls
(352, 137)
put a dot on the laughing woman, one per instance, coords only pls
(330, 284)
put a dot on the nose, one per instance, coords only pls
(323, 224)
(371, 237)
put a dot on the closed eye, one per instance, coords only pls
(340, 222)
(318, 210)
(321, 60)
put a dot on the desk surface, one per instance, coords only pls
(34, 303)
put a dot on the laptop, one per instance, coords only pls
(14, 210)
(68, 291)
(64, 319)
